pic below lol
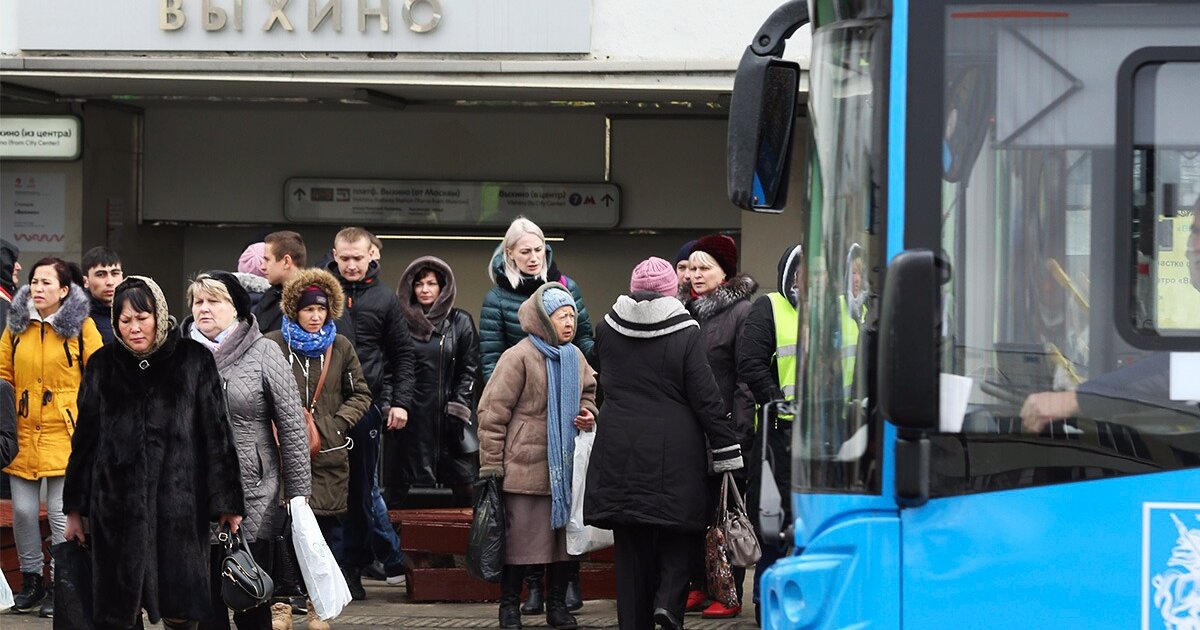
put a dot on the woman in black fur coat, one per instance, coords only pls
(152, 464)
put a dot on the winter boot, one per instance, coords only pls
(557, 615)
(511, 578)
(574, 596)
(315, 622)
(47, 611)
(32, 593)
(281, 616)
(354, 583)
(533, 581)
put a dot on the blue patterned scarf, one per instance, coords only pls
(308, 344)
(562, 405)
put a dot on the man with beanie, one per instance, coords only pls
(769, 360)
(283, 255)
(654, 275)
(681, 263)
(8, 278)
(375, 324)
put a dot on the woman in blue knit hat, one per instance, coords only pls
(541, 393)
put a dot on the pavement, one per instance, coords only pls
(388, 607)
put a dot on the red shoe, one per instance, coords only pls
(721, 611)
(695, 601)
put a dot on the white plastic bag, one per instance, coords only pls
(6, 595)
(326, 585)
(583, 538)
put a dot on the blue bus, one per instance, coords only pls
(997, 422)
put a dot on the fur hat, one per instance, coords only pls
(293, 290)
(723, 249)
(241, 299)
(655, 275)
(251, 259)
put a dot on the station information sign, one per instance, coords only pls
(449, 204)
(39, 138)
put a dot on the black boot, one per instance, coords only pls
(47, 610)
(354, 583)
(31, 594)
(557, 615)
(574, 596)
(533, 581)
(511, 578)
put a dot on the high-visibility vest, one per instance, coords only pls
(848, 338)
(787, 331)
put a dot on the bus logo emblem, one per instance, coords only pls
(1170, 566)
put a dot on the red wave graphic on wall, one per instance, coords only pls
(38, 238)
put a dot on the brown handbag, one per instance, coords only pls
(314, 437)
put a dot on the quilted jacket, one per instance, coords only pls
(261, 393)
(499, 326)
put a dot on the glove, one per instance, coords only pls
(727, 458)
(491, 472)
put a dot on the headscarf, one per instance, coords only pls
(162, 318)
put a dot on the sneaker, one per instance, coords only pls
(374, 571)
(695, 601)
(298, 604)
(720, 611)
(31, 594)
(397, 580)
(281, 616)
(47, 611)
(315, 622)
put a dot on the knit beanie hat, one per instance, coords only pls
(312, 294)
(556, 298)
(722, 249)
(685, 251)
(655, 275)
(251, 259)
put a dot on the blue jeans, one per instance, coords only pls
(367, 531)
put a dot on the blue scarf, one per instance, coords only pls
(308, 344)
(562, 405)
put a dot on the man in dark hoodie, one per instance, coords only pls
(102, 273)
(769, 359)
(284, 254)
(8, 278)
(375, 324)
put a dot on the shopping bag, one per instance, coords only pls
(72, 586)
(326, 585)
(6, 595)
(485, 543)
(719, 574)
(582, 538)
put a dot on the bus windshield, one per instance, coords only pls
(835, 449)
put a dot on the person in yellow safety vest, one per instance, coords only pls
(769, 361)
(851, 308)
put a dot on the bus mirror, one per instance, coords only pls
(762, 115)
(909, 338)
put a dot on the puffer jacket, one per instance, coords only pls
(499, 323)
(8, 260)
(374, 324)
(721, 315)
(447, 351)
(44, 362)
(344, 399)
(261, 393)
(512, 411)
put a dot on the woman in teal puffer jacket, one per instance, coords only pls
(521, 264)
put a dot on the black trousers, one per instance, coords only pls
(653, 566)
(257, 618)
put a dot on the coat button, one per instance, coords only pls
(37, 427)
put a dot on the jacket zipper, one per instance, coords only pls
(441, 410)
(70, 420)
(67, 351)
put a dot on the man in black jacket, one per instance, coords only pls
(284, 254)
(375, 324)
(8, 278)
(769, 359)
(102, 273)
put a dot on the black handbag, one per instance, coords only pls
(244, 585)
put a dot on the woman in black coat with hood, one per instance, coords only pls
(152, 464)
(648, 480)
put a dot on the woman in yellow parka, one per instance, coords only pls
(48, 340)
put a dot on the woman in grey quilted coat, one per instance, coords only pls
(263, 400)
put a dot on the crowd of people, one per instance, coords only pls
(153, 435)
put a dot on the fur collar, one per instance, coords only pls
(252, 283)
(421, 323)
(704, 308)
(67, 322)
(645, 316)
(289, 297)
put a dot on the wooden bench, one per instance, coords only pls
(427, 533)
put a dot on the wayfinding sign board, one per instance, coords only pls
(448, 204)
(39, 138)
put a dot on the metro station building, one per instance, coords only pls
(178, 131)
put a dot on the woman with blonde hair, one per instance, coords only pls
(263, 402)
